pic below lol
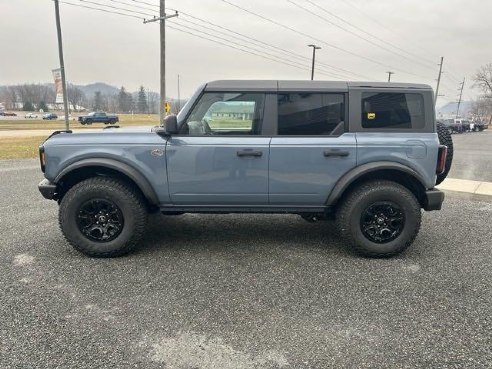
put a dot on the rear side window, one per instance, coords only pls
(392, 110)
(309, 114)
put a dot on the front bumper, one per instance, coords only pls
(47, 189)
(433, 200)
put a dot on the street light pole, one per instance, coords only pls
(314, 56)
(62, 63)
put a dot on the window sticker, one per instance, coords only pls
(371, 115)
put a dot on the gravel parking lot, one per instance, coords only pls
(241, 291)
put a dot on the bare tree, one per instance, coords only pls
(483, 80)
(11, 97)
(75, 96)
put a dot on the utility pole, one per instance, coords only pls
(461, 95)
(314, 55)
(62, 63)
(389, 75)
(162, 18)
(162, 14)
(438, 80)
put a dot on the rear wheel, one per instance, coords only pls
(445, 139)
(379, 218)
(103, 217)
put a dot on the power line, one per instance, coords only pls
(258, 44)
(351, 32)
(251, 49)
(115, 7)
(378, 22)
(365, 32)
(255, 40)
(133, 5)
(143, 2)
(99, 9)
(319, 40)
(175, 28)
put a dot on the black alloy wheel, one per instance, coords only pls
(100, 220)
(382, 222)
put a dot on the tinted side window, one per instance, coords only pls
(222, 113)
(392, 110)
(309, 114)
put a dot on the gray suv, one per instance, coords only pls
(365, 154)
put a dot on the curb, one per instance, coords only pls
(467, 186)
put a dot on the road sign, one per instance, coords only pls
(167, 107)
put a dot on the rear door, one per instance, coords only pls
(221, 156)
(311, 149)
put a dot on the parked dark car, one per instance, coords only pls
(8, 114)
(452, 125)
(98, 117)
(50, 116)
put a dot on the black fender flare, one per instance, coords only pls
(123, 168)
(361, 170)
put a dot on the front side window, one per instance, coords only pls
(391, 110)
(226, 113)
(309, 114)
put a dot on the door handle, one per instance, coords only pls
(249, 153)
(332, 153)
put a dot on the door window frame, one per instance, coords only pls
(265, 125)
(346, 111)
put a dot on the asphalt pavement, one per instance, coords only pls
(474, 156)
(241, 291)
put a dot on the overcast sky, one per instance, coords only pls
(121, 50)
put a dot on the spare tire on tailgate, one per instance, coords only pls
(445, 139)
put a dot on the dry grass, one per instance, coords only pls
(20, 147)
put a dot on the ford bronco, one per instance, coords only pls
(365, 154)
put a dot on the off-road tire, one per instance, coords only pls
(354, 204)
(445, 139)
(127, 199)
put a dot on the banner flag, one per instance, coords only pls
(58, 86)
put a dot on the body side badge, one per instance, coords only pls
(157, 152)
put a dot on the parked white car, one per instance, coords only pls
(30, 116)
(62, 117)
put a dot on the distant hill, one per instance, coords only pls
(450, 108)
(105, 89)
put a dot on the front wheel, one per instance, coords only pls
(379, 218)
(103, 217)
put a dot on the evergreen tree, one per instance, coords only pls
(28, 106)
(98, 101)
(42, 106)
(124, 103)
(142, 104)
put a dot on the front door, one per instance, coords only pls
(220, 157)
(311, 150)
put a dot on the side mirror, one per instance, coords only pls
(171, 124)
